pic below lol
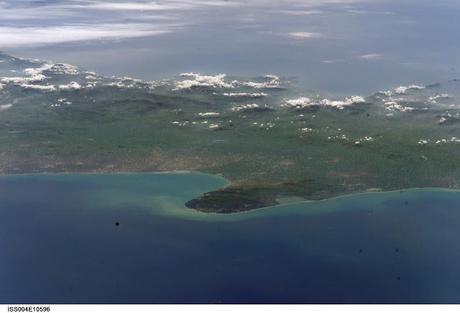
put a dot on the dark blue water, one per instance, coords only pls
(59, 243)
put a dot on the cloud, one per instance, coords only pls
(46, 88)
(209, 114)
(302, 12)
(197, 80)
(70, 86)
(308, 3)
(169, 5)
(247, 107)
(371, 56)
(304, 35)
(56, 68)
(434, 99)
(300, 103)
(404, 89)
(332, 61)
(30, 36)
(341, 104)
(129, 6)
(33, 22)
(23, 80)
(355, 11)
(305, 102)
(4, 107)
(394, 106)
(254, 95)
(272, 82)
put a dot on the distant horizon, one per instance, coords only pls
(190, 81)
(338, 47)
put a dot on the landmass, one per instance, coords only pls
(271, 139)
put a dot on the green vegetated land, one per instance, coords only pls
(273, 143)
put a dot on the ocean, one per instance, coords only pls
(127, 238)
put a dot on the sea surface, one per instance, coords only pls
(127, 238)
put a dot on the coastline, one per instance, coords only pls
(256, 211)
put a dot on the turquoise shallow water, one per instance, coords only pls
(59, 243)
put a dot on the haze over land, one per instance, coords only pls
(338, 47)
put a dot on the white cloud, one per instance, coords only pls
(355, 11)
(245, 94)
(299, 103)
(198, 80)
(246, 107)
(70, 86)
(302, 12)
(273, 82)
(4, 107)
(304, 35)
(308, 3)
(23, 80)
(395, 106)
(304, 102)
(169, 5)
(332, 61)
(209, 114)
(29, 36)
(434, 99)
(49, 22)
(57, 68)
(371, 56)
(341, 104)
(131, 6)
(401, 90)
(38, 87)
(271, 77)
(218, 81)
(31, 23)
(404, 89)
